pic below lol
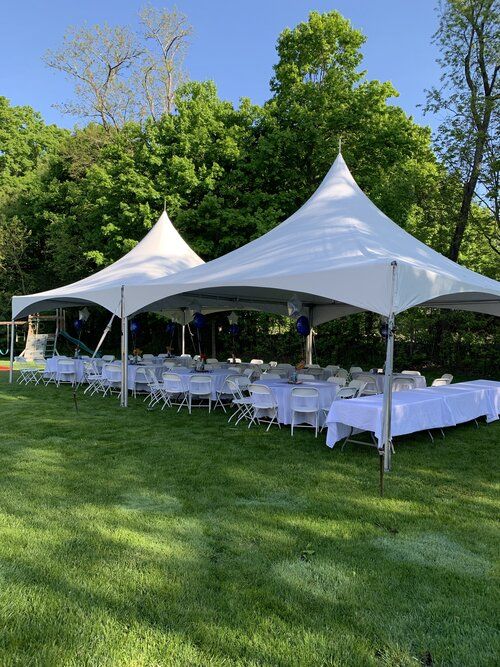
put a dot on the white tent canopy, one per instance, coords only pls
(336, 255)
(161, 252)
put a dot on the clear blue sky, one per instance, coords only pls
(233, 44)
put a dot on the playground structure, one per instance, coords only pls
(42, 344)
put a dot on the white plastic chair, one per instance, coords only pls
(225, 393)
(410, 373)
(440, 382)
(370, 388)
(141, 378)
(108, 358)
(403, 384)
(256, 362)
(355, 369)
(273, 364)
(157, 392)
(148, 357)
(263, 405)
(359, 385)
(346, 392)
(93, 377)
(242, 404)
(447, 376)
(200, 388)
(66, 371)
(304, 401)
(340, 380)
(113, 379)
(341, 373)
(236, 360)
(174, 390)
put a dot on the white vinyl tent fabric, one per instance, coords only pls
(160, 253)
(336, 255)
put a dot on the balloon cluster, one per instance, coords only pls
(170, 328)
(134, 326)
(199, 320)
(303, 326)
(234, 329)
(78, 324)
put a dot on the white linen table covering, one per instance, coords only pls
(282, 391)
(474, 399)
(412, 410)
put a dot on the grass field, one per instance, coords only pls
(130, 537)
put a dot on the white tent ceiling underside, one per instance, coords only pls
(335, 254)
(161, 252)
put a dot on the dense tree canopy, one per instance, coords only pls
(71, 203)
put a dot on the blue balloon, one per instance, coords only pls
(134, 326)
(170, 328)
(78, 324)
(303, 326)
(234, 329)
(199, 320)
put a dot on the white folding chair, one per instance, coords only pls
(337, 379)
(370, 388)
(108, 358)
(359, 385)
(66, 371)
(256, 362)
(341, 373)
(355, 369)
(156, 390)
(440, 382)
(242, 404)
(263, 405)
(234, 361)
(113, 379)
(93, 378)
(200, 388)
(447, 376)
(403, 384)
(273, 364)
(174, 390)
(225, 393)
(141, 381)
(148, 357)
(304, 402)
(25, 369)
(270, 376)
(410, 373)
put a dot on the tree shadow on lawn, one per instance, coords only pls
(247, 545)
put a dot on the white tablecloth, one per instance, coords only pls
(51, 367)
(413, 410)
(416, 409)
(470, 400)
(283, 391)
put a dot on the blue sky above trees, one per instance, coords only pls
(233, 43)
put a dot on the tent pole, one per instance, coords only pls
(309, 340)
(11, 351)
(183, 339)
(385, 445)
(124, 352)
(214, 344)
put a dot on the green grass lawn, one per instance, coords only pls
(131, 537)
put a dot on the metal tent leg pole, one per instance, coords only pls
(183, 339)
(124, 352)
(11, 351)
(386, 440)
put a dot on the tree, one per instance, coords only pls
(119, 75)
(165, 33)
(468, 139)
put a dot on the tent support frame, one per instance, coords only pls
(124, 351)
(11, 351)
(385, 444)
(309, 339)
